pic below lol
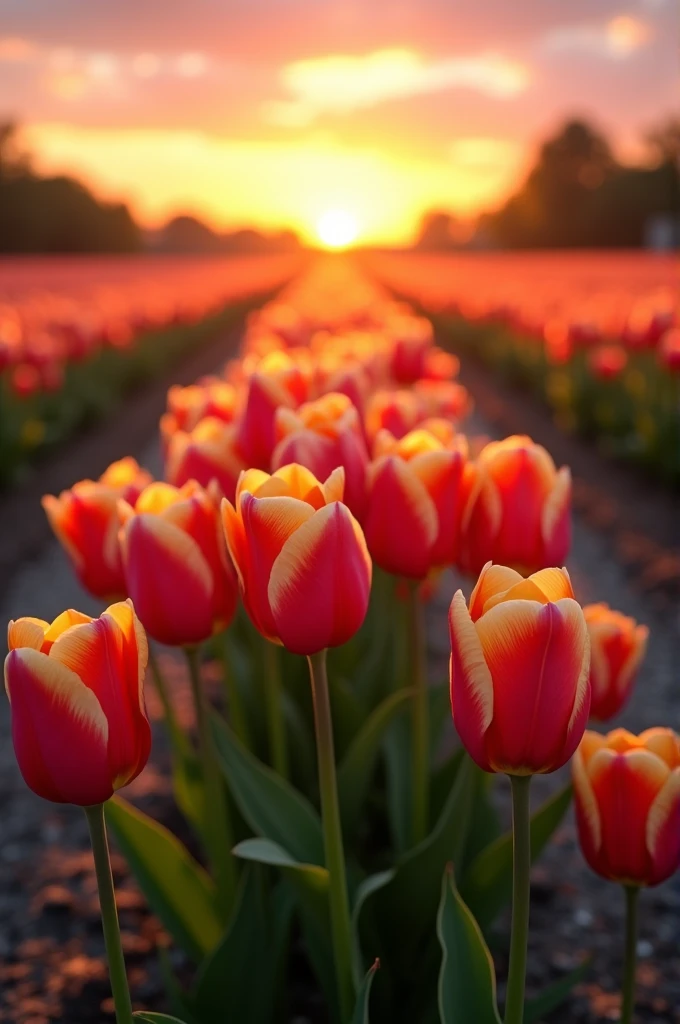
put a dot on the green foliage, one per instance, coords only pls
(487, 884)
(270, 805)
(361, 1015)
(179, 890)
(467, 980)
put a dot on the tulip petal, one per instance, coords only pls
(58, 726)
(493, 580)
(588, 813)
(538, 656)
(401, 523)
(267, 525)
(168, 579)
(26, 632)
(334, 485)
(105, 656)
(69, 618)
(472, 695)
(626, 786)
(556, 518)
(320, 582)
(665, 743)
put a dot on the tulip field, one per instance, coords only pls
(388, 722)
(595, 337)
(76, 335)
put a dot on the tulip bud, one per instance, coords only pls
(79, 725)
(85, 521)
(627, 794)
(256, 434)
(518, 508)
(301, 558)
(617, 647)
(207, 453)
(323, 435)
(176, 566)
(520, 692)
(414, 503)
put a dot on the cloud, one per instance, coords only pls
(341, 84)
(15, 49)
(617, 38)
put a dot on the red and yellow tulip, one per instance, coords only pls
(79, 725)
(85, 521)
(617, 647)
(208, 452)
(520, 692)
(323, 435)
(301, 557)
(177, 570)
(627, 792)
(414, 503)
(518, 509)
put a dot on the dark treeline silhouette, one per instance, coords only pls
(55, 214)
(186, 234)
(60, 215)
(577, 195)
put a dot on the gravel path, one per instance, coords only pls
(50, 940)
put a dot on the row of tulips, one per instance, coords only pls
(343, 814)
(595, 337)
(76, 334)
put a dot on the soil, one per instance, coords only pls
(51, 948)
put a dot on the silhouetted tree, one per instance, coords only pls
(55, 215)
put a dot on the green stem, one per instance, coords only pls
(273, 698)
(630, 961)
(232, 695)
(521, 842)
(219, 834)
(332, 834)
(420, 724)
(107, 902)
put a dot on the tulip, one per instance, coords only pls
(617, 647)
(256, 432)
(627, 795)
(414, 505)
(518, 508)
(80, 730)
(627, 791)
(520, 691)
(301, 557)
(175, 563)
(85, 521)
(520, 696)
(396, 411)
(79, 725)
(206, 453)
(323, 435)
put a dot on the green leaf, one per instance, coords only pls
(467, 980)
(238, 981)
(270, 805)
(178, 890)
(155, 1018)
(554, 995)
(363, 997)
(310, 883)
(364, 890)
(358, 764)
(309, 880)
(399, 782)
(487, 884)
(442, 781)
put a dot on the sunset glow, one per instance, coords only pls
(337, 229)
(387, 111)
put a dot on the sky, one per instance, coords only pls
(279, 113)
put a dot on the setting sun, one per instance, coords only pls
(337, 229)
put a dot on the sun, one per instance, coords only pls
(337, 229)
